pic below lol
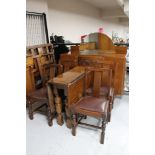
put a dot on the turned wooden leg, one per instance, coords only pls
(85, 117)
(68, 117)
(58, 107)
(30, 110)
(109, 113)
(50, 98)
(51, 107)
(112, 104)
(74, 125)
(103, 130)
(59, 110)
(113, 101)
(109, 117)
(50, 117)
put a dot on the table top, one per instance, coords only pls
(69, 76)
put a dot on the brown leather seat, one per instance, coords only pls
(40, 94)
(92, 104)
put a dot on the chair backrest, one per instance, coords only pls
(99, 63)
(40, 57)
(68, 61)
(30, 83)
(48, 70)
(46, 51)
(111, 65)
(97, 79)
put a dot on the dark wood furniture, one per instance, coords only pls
(68, 61)
(39, 98)
(42, 48)
(30, 81)
(42, 57)
(94, 104)
(104, 42)
(72, 84)
(31, 62)
(88, 56)
(45, 51)
(105, 51)
(104, 79)
(75, 50)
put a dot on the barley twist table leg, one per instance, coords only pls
(68, 114)
(51, 106)
(58, 107)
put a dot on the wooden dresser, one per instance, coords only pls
(105, 51)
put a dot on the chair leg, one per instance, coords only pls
(113, 102)
(30, 110)
(85, 117)
(103, 130)
(74, 125)
(109, 113)
(50, 118)
(109, 117)
(68, 119)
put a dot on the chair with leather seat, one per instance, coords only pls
(93, 104)
(106, 83)
(38, 99)
(105, 79)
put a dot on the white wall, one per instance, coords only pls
(37, 6)
(73, 18)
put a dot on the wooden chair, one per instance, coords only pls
(68, 61)
(38, 98)
(32, 61)
(44, 58)
(105, 77)
(30, 83)
(95, 104)
(45, 53)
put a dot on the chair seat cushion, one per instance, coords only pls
(39, 94)
(92, 104)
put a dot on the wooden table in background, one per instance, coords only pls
(72, 84)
